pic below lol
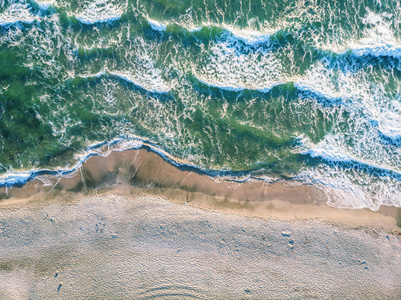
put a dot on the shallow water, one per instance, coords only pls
(302, 91)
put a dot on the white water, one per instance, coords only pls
(45, 5)
(99, 11)
(151, 82)
(236, 60)
(156, 25)
(17, 13)
(226, 85)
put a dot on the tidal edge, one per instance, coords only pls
(142, 170)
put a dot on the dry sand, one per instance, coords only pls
(120, 246)
(108, 232)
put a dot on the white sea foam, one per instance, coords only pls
(45, 5)
(357, 93)
(332, 148)
(302, 85)
(12, 178)
(248, 36)
(330, 153)
(234, 66)
(355, 140)
(93, 18)
(156, 25)
(378, 41)
(307, 86)
(377, 49)
(388, 120)
(103, 149)
(390, 129)
(366, 184)
(234, 87)
(378, 38)
(354, 190)
(372, 47)
(231, 67)
(96, 75)
(150, 82)
(17, 13)
(329, 83)
(196, 29)
(318, 90)
(224, 86)
(99, 11)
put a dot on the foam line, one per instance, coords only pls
(335, 154)
(149, 84)
(99, 11)
(44, 5)
(156, 25)
(90, 20)
(17, 13)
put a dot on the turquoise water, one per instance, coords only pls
(301, 91)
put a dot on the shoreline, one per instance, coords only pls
(152, 174)
(133, 226)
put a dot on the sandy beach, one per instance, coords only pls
(132, 225)
(230, 149)
(151, 173)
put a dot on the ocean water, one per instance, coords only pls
(304, 92)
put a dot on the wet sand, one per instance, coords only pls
(133, 226)
(150, 172)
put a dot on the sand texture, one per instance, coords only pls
(133, 226)
(125, 246)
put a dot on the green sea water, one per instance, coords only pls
(302, 91)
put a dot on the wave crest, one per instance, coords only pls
(150, 82)
(17, 13)
(99, 11)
